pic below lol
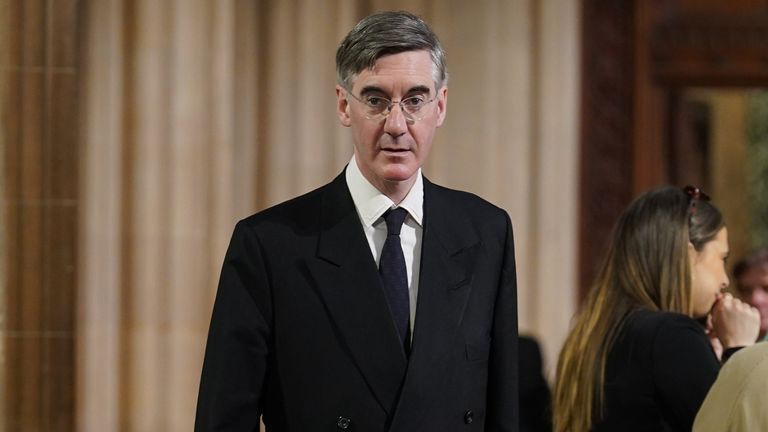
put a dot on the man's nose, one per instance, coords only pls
(395, 124)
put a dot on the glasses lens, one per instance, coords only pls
(378, 108)
(413, 105)
(375, 105)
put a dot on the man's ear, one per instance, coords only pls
(442, 105)
(342, 106)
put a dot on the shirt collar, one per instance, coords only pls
(371, 203)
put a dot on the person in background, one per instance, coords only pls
(751, 276)
(636, 358)
(535, 396)
(738, 401)
(379, 301)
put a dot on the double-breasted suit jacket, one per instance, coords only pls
(302, 333)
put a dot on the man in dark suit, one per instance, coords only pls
(380, 301)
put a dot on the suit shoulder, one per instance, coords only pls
(469, 202)
(529, 350)
(296, 209)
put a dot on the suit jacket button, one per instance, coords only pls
(343, 423)
(468, 417)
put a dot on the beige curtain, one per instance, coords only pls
(200, 112)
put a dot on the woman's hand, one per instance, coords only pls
(734, 322)
(717, 347)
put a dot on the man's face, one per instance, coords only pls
(390, 151)
(753, 289)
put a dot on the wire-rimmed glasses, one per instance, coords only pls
(378, 108)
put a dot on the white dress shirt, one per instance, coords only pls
(371, 205)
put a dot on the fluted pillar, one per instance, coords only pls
(170, 165)
(39, 204)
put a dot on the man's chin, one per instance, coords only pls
(398, 173)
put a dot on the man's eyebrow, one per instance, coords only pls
(372, 89)
(419, 89)
(414, 89)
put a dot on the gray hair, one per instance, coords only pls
(385, 33)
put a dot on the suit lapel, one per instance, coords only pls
(348, 281)
(449, 249)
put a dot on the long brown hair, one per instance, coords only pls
(645, 267)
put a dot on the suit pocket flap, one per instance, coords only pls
(478, 351)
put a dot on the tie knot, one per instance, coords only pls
(394, 219)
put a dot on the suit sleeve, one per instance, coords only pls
(231, 395)
(502, 400)
(685, 367)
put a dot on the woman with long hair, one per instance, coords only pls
(637, 358)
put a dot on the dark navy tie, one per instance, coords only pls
(394, 276)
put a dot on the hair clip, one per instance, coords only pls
(695, 194)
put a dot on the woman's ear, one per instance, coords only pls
(693, 255)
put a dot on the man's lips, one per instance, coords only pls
(395, 150)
